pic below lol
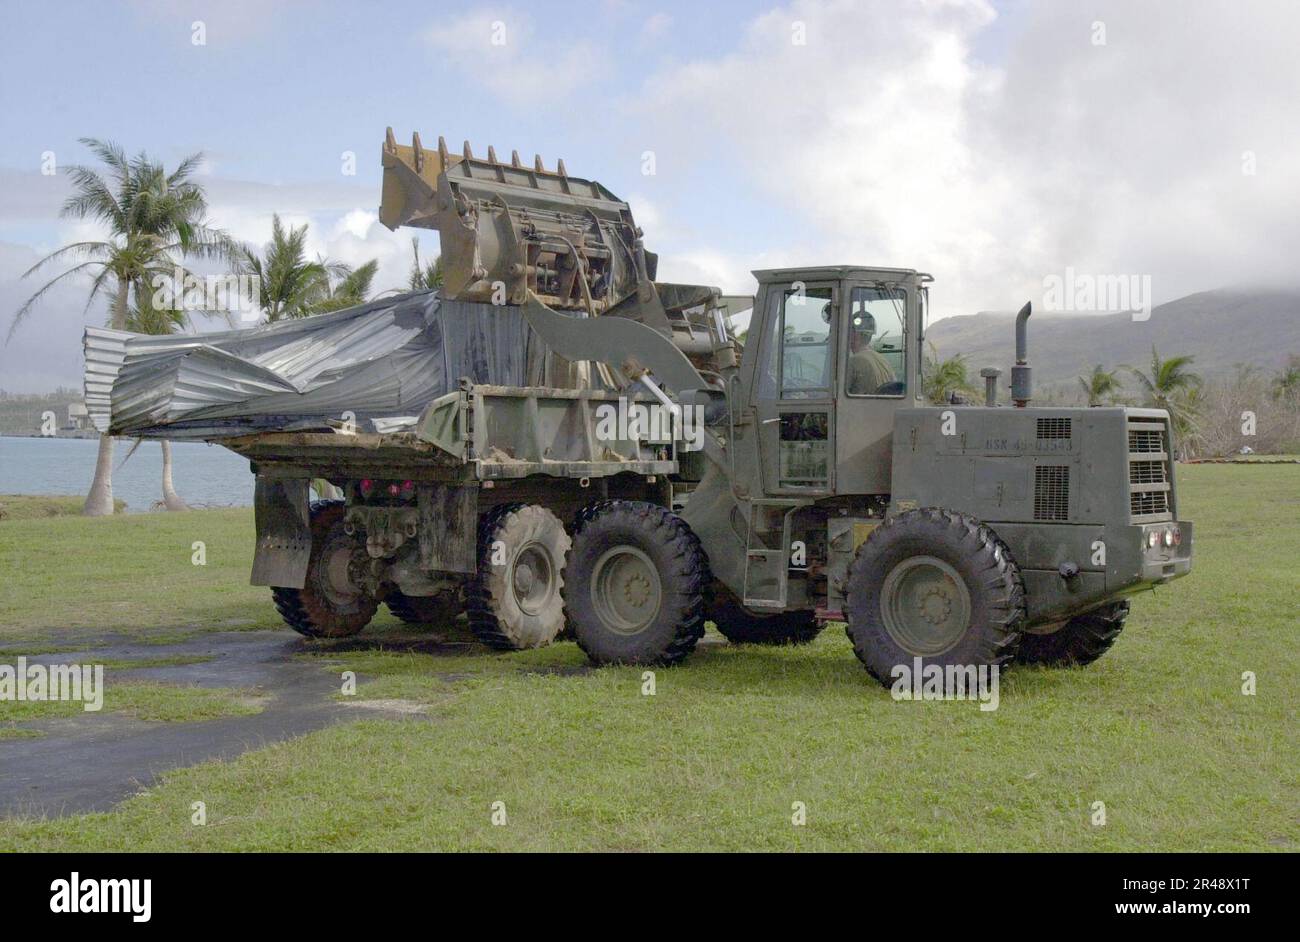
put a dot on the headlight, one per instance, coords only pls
(1153, 539)
(1169, 538)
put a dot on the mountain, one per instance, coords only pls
(1219, 328)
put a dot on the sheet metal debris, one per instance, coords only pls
(381, 362)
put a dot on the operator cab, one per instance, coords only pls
(833, 352)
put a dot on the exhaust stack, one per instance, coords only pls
(1022, 384)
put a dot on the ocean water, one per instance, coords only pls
(204, 475)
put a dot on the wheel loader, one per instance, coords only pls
(821, 485)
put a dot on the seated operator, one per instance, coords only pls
(868, 370)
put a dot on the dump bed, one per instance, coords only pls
(479, 433)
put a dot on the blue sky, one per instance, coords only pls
(281, 90)
(993, 144)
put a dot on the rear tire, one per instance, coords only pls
(1080, 641)
(739, 625)
(515, 600)
(327, 606)
(634, 584)
(936, 585)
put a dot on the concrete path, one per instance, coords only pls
(91, 762)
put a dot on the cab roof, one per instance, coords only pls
(833, 272)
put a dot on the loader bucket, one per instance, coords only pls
(507, 229)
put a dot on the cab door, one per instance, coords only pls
(877, 375)
(794, 389)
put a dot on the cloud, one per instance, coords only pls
(504, 53)
(887, 137)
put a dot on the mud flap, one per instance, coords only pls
(281, 512)
(448, 528)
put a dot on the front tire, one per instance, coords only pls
(933, 585)
(1080, 641)
(634, 584)
(328, 605)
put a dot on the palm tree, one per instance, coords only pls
(347, 286)
(154, 219)
(288, 284)
(1101, 387)
(291, 286)
(147, 317)
(424, 276)
(942, 378)
(1171, 385)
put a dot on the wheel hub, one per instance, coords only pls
(626, 590)
(336, 575)
(925, 605)
(935, 606)
(533, 578)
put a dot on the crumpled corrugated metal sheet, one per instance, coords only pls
(383, 362)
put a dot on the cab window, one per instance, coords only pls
(876, 360)
(806, 344)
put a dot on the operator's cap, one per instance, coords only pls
(864, 322)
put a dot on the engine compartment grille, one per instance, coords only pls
(1146, 472)
(1149, 473)
(1145, 440)
(1057, 427)
(1149, 503)
(1052, 492)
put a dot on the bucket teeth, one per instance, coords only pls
(442, 152)
(514, 159)
(492, 154)
(419, 152)
(390, 142)
(469, 154)
(537, 163)
(559, 168)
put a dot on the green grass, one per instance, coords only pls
(1158, 730)
(40, 507)
(129, 573)
(88, 577)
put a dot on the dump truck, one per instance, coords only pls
(558, 444)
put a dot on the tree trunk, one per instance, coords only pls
(170, 499)
(99, 502)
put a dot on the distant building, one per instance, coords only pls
(77, 416)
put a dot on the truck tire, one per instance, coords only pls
(432, 610)
(936, 585)
(1080, 641)
(739, 625)
(514, 600)
(634, 584)
(326, 607)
